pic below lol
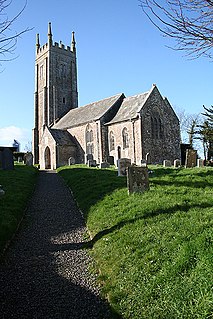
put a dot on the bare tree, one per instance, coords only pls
(189, 22)
(8, 37)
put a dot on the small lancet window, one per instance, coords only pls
(111, 141)
(125, 137)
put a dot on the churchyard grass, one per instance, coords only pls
(18, 185)
(154, 250)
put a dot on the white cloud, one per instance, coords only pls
(9, 133)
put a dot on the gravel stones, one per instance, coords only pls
(45, 272)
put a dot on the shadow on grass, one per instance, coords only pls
(89, 244)
(91, 185)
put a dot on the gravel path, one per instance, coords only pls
(45, 271)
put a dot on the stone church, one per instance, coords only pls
(138, 127)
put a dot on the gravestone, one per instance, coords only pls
(6, 158)
(110, 160)
(123, 164)
(191, 158)
(167, 163)
(177, 163)
(91, 163)
(200, 162)
(105, 165)
(28, 159)
(137, 179)
(71, 161)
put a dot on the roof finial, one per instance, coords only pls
(50, 40)
(37, 42)
(73, 42)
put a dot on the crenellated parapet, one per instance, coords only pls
(40, 50)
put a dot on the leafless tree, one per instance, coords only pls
(189, 22)
(8, 37)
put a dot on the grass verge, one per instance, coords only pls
(154, 250)
(18, 185)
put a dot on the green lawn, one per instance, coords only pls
(18, 185)
(154, 250)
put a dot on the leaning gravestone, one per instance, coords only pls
(137, 179)
(167, 163)
(191, 158)
(123, 164)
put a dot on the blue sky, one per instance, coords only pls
(118, 50)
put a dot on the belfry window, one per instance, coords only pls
(125, 138)
(89, 140)
(111, 141)
(41, 72)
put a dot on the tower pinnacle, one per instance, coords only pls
(50, 40)
(37, 42)
(73, 42)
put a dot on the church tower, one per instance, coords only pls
(55, 85)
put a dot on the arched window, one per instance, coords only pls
(89, 140)
(111, 141)
(156, 128)
(160, 129)
(125, 137)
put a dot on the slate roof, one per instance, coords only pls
(130, 107)
(88, 113)
(62, 137)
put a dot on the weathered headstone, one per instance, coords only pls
(110, 160)
(105, 165)
(28, 159)
(71, 161)
(6, 158)
(177, 163)
(91, 163)
(123, 164)
(200, 162)
(167, 163)
(191, 158)
(137, 179)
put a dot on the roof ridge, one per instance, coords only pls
(106, 98)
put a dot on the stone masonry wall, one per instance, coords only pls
(166, 144)
(79, 134)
